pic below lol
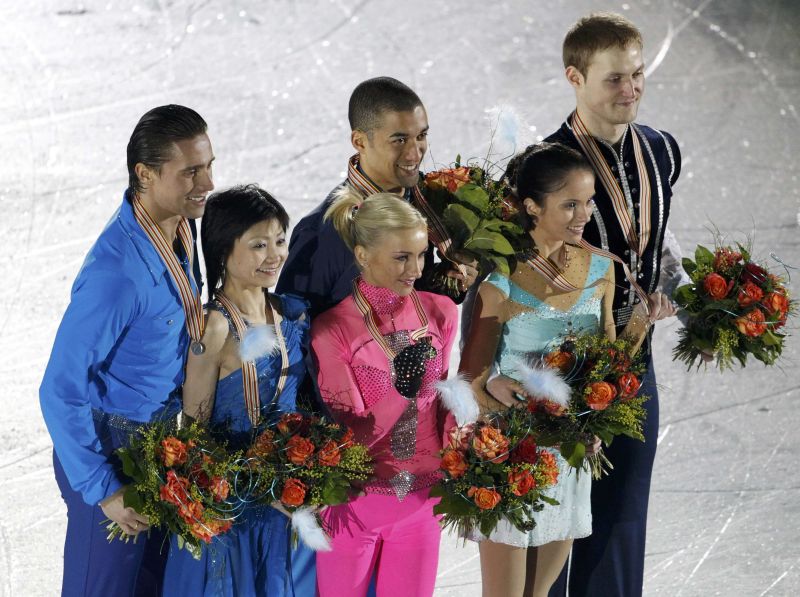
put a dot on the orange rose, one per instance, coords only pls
(525, 451)
(347, 439)
(299, 449)
(294, 492)
(751, 324)
(191, 512)
(560, 359)
(716, 286)
(725, 259)
(220, 488)
(329, 454)
(458, 437)
(489, 444)
(599, 395)
(205, 531)
(548, 467)
(451, 179)
(175, 490)
(521, 481)
(628, 385)
(484, 498)
(263, 446)
(777, 302)
(290, 423)
(173, 451)
(453, 462)
(749, 294)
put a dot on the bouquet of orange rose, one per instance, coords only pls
(588, 387)
(735, 308)
(494, 470)
(305, 463)
(478, 215)
(180, 481)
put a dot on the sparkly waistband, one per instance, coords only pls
(124, 424)
(403, 483)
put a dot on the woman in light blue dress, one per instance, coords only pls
(244, 245)
(520, 317)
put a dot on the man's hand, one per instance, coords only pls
(128, 519)
(465, 270)
(661, 306)
(505, 390)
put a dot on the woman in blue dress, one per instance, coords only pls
(249, 334)
(518, 318)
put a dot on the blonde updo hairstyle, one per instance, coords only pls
(364, 221)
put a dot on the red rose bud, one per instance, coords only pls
(525, 451)
(754, 273)
(716, 286)
(290, 423)
(521, 481)
(628, 385)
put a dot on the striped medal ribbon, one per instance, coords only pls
(555, 277)
(252, 399)
(190, 299)
(436, 230)
(372, 326)
(625, 216)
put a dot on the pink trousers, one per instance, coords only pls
(398, 540)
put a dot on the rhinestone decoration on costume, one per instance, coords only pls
(404, 432)
(402, 483)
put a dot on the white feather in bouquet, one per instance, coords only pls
(306, 525)
(544, 383)
(458, 397)
(258, 341)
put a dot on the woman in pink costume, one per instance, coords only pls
(379, 354)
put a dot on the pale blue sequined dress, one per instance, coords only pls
(537, 330)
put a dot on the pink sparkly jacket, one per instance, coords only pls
(354, 375)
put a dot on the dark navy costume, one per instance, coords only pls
(610, 562)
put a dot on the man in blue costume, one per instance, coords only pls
(389, 130)
(118, 357)
(635, 167)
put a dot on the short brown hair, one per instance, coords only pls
(595, 33)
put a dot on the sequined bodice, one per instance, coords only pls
(541, 327)
(229, 412)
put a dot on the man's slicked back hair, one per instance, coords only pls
(373, 97)
(597, 32)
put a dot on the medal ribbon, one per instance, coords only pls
(555, 277)
(372, 326)
(190, 299)
(637, 242)
(252, 399)
(436, 230)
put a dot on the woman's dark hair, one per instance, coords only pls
(540, 170)
(152, 138)
(228, 215)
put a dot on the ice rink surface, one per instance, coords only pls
(272, 79)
